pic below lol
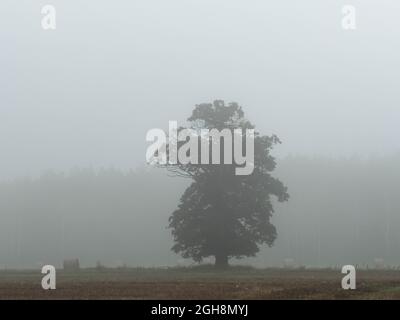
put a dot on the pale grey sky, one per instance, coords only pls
(86, 93)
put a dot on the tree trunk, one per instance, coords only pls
(221, 261)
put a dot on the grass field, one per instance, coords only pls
(201, 283)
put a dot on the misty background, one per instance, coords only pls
(76, 104)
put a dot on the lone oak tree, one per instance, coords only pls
(222, 214)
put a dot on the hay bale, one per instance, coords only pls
(379, 263)
(71, 265)
(289, 263)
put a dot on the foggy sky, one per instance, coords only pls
(86, 94)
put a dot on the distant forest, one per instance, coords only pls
(341, 211)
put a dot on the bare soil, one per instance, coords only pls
(200, 283)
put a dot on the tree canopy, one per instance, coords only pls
(222, 214)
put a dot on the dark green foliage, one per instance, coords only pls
(222, 214)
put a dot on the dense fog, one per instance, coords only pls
(76, 103)
(340, 211)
